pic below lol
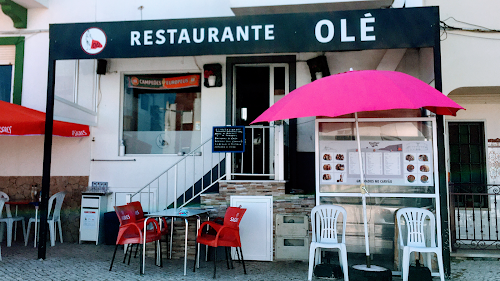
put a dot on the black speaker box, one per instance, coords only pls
(101, 66)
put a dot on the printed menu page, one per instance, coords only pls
(374, 163)
(392, 164)
(383, 162)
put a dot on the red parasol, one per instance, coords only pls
(16, 120)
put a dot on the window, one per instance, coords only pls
(5, 82)
(75, 83)
(7, 60)
(161, 113)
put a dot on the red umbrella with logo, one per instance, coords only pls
(16, 120)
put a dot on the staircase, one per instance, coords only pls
(182, 183)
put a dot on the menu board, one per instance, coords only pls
(228, 139)
(383, 162)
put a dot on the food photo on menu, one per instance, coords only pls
(424, 168)
(327, 177)
(340, 178)
(410, 178)
(410, 157)
(339, 157)
(327, 157)
(424, 178)
(327, 167)
(423, 158)
(339, 167)
(410, 168)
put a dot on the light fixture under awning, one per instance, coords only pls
(16, 120)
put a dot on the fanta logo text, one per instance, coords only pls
(5, 129)
(126, 217)
(79, 133)
(233, 219)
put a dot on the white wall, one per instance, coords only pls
(487, 112)
(23, 156)
(108, 133)
(469, 58)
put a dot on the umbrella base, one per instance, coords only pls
(373, 273)
(328, 270)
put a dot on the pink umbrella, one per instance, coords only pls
(358, 91)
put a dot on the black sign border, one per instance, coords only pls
(293, 33)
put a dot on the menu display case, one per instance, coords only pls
(398, 158)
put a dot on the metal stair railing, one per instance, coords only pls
(184, 181)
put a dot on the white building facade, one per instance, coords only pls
(149, 112)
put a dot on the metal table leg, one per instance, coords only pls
(36, 226)
(197, 245)
(206, 246)
(186, 246)
(171, 236)
(15, 226)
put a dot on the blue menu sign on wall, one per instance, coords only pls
(228, 139)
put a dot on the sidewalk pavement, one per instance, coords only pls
(70, 261)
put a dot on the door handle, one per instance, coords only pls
(244, 115)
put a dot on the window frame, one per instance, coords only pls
(17, 86)
(172, 73)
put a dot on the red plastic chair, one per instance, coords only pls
(131, 232)
(139, 220)
(225, 235)
(139, 216)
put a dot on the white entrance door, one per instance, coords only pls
(256, 227)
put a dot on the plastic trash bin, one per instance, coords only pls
(111, 226)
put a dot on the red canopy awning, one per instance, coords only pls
(16, 120)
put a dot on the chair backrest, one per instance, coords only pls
(125, 214)
(55, 213)
(324, 219)
(415, 220)
(233, 216)
(4, 195)
(7, 207)
(137, 207)
(2, 203)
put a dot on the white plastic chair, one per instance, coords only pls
(7, 207)
(324, 220)
(419, 225)
(53, 216)
(9, 220)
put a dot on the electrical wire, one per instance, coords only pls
(478, 29)
(445, 27)
(474, 36)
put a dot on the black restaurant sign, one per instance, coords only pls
(277, 33)
(228, 139)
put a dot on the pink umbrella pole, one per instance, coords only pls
(363, 193)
